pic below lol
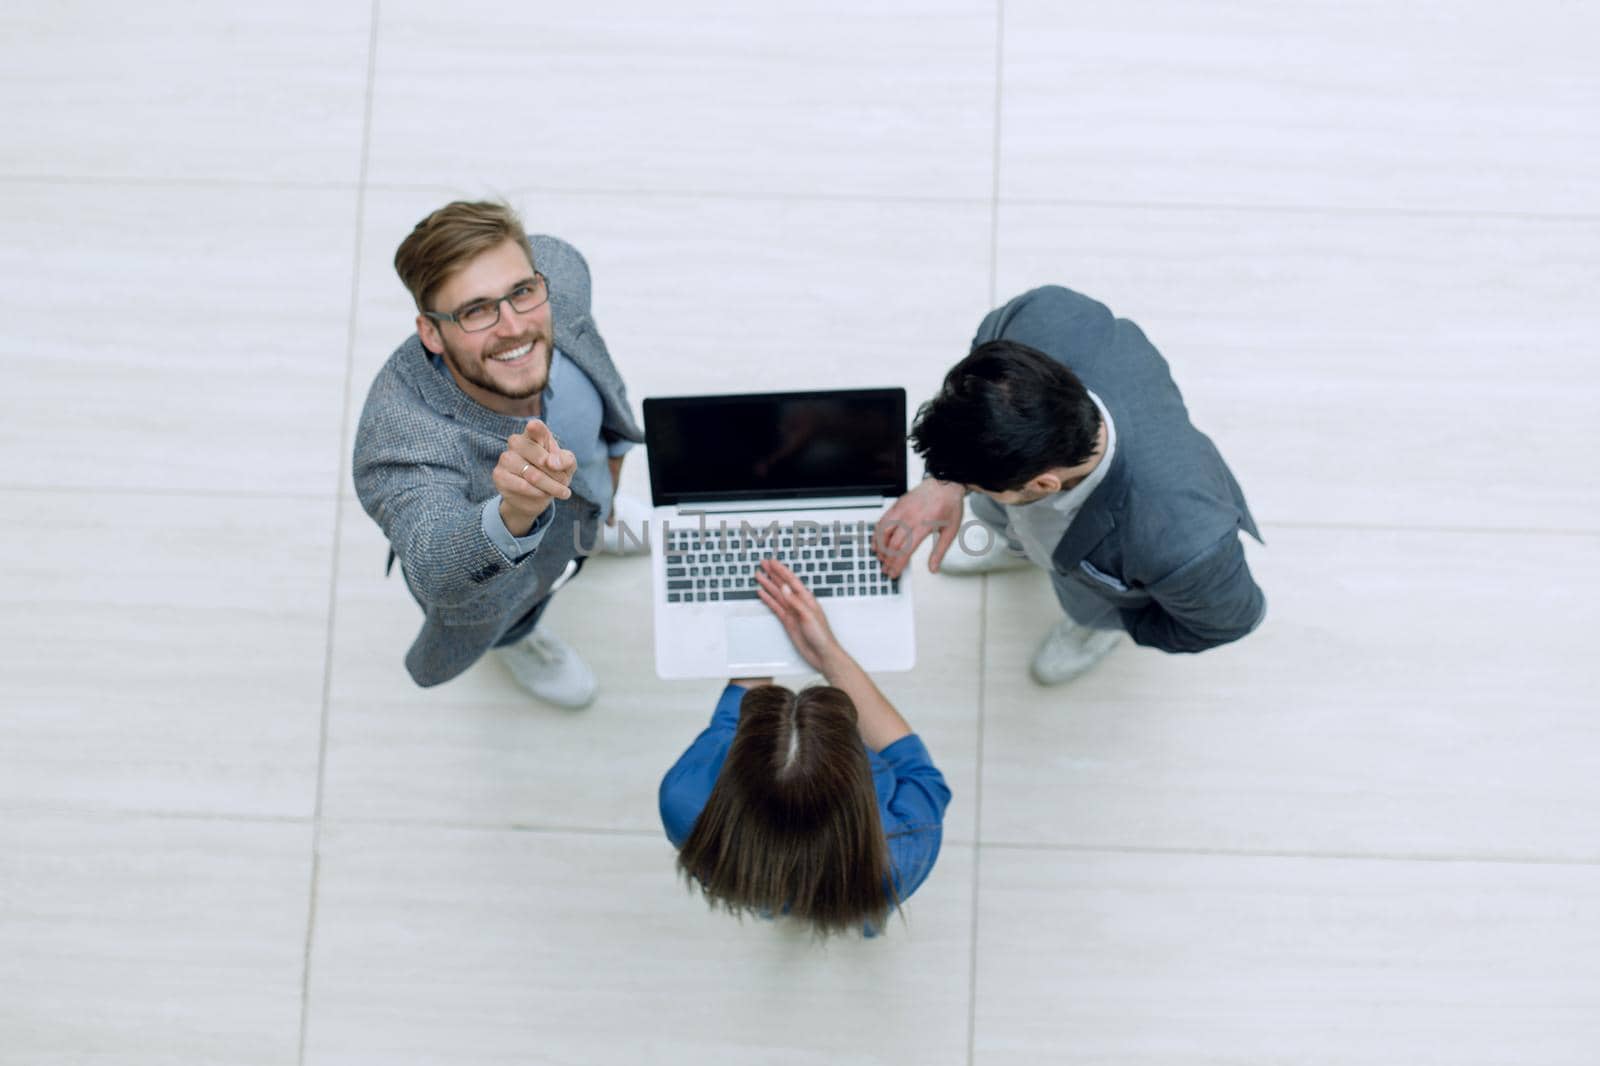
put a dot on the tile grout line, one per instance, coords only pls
(146, 492)
(977, 822)
(745, 196)
(623, 833)
(983, 591)
(146, 181)
(1357, 210)
(994, 176)
(1296, 856)
(338, 531)
(1392, 527)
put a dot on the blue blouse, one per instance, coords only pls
(911, 791)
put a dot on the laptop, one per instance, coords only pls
(801, 477)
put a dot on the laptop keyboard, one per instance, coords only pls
(713, 565)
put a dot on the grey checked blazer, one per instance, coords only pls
(1159, 537)
(424, 452)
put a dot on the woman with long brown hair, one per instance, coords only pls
(821, 805)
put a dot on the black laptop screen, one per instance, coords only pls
(706, 449)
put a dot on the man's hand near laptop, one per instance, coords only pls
(932, 507)
(533, 470)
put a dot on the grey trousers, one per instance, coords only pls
(1080, 604)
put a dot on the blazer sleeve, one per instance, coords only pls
(1210, 600)
(411, 480)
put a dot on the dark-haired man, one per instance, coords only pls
(491, 444)
(1065, 426)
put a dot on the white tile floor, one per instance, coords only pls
(1366, 235)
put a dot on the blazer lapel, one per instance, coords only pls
(576, 338)
(1087, 530)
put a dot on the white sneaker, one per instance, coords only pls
(546, 666)
(1070, 650)
(997, 555)
(632, 514)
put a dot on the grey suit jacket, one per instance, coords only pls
(424, 453)
(1159, 536)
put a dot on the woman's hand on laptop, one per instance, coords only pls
(788, 598)
(880, 724)
(932, 507)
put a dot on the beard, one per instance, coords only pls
(1028, 496)
(473, 368)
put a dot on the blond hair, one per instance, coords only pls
(448, 239)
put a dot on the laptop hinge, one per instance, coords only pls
(835, 503)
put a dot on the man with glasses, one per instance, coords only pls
(491, 444)
(1064, 429)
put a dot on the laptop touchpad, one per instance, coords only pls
(755, 640)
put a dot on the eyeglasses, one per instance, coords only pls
(483, 314)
